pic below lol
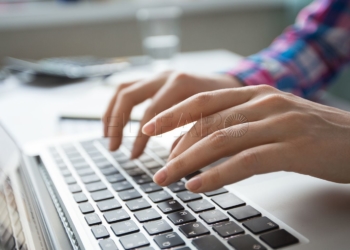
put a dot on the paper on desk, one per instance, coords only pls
(94, 103)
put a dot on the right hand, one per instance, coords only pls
(166, 90)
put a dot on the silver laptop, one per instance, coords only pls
(78, 195)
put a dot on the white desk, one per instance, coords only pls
(31, 113)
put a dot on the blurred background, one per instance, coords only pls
(109, 28)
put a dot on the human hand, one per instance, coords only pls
(166, 90)
(263, 129)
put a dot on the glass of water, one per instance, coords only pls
(160, 31)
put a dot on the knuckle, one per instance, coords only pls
(250, 161)
(266, 88)
(218, 139)
(274, 100)
(202, 98)
(180, 77)
(125, 95)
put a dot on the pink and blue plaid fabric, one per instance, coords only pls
(308, 55)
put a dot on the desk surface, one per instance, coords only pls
(31, 113)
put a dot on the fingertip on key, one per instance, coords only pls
(194, 184)
(160, 176)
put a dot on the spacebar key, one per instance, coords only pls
(208, 242)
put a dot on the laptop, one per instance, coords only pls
(75, 194)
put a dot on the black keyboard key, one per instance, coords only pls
(147, 215)
(227, 229)
(134, 241)
(177, 187)
(243, 213)
(152, 164)
(92, 219)
(150, 187)
(109, 171)
(115, 178)
(116, 216)
(85, 171)
(101, 195)
(138, 204)
(121, 186)
(100, 232)
(70, 180)
(129, 195)
(227, 201)
(260, 225)
(107, 244)
(74, 188)
(135, 171)
(86, 208)
(200, 206)
(124, 227)
(90, 178)
(216, 192)
(96, 186)
(245, 242)
(142, 179)
(279, 238)
(193, 229)
(168, 240)
(209, 242)
(214, 216)
(190, 176)
(157, 227)
(80, 197)
(160, 196)
(108, 205)
(181, 217)
(187, 196)
(170, 206)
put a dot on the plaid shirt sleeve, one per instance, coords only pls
(308, 55)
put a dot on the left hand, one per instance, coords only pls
(262, 128)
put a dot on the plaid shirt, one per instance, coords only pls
(308, 55)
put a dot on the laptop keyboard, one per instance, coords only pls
(125, 209)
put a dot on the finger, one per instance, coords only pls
(197, 106)
(176, 142)
(237, 117)
(208, 125)
(257, 160)
(126, 100)
(212, 148)
(111, 105)
(171, 93)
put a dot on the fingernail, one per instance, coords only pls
(160, 176)
(148, 128)
(194, 183)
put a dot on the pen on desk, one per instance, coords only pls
(85, 118)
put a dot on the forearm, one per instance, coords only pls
(307, 56)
